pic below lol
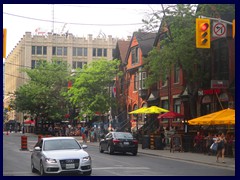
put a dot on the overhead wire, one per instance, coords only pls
(72, 23)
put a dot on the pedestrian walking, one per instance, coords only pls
(209, 141)
(221, 140)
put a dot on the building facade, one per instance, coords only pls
(31, 49)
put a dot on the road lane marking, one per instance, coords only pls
(119, 168)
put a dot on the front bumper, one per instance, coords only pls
(61, 168)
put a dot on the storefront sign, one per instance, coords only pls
(219, 84)
(209, 91)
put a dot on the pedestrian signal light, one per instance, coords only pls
(203, 33)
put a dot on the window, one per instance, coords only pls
(39, 50)
(85, 52)
(142, 77)
(135, 58)
(35, 63)
(105, 52)
(136, 81)
(176, 73)
(177, 103)
(99, 52)
(78, 64)
(177, 108)
(94, 51)
(44, 50)
(59, 51)
(165, 104)
(65, 51)
(74, 52)
(53, 50)
(79, 51)
(33, 49)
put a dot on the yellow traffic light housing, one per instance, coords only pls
(4, 43)
(203, 37)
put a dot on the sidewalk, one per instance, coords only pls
(182, 156)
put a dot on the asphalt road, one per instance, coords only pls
(17, 163)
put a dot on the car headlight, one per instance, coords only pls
(49, 160)
(85, 159)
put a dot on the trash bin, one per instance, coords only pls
(145, 142)
(158, 143)
(187, 143)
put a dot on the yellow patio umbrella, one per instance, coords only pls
(138, 111)
(223, 117)
(154, 110)
(149, 110)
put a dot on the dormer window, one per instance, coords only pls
(135, 56)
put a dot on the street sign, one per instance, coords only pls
(219, 29)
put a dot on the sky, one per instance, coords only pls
(118, 20)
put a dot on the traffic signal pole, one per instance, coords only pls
(223, 21)
(216, 19)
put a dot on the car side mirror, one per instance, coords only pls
(37, 148)
(84, 146)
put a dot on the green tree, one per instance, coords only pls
(90, 92)
(42, 95)
(178, 47)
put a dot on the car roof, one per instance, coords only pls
(56, 138)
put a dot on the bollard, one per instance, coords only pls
(24, 143)
(152, 146)
(39, 137)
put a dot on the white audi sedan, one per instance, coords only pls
(59, 155)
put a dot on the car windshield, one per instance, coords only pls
(60, 144)
(119, 135)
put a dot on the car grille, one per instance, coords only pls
(69, 164)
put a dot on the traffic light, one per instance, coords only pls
(4, 43)
(203, 37)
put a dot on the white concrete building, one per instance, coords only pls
(77, 51)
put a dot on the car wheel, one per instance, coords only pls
(42, 172)
(33, 168)
(88, 173)
(134, 153)
(110, 150)
(100, 149)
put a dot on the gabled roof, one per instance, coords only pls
(163, 29)
(122, 47)
(145, 41)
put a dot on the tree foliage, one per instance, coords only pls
(90, 92)
(42, 94)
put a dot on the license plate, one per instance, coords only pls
(126, 143)
(70, 166)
